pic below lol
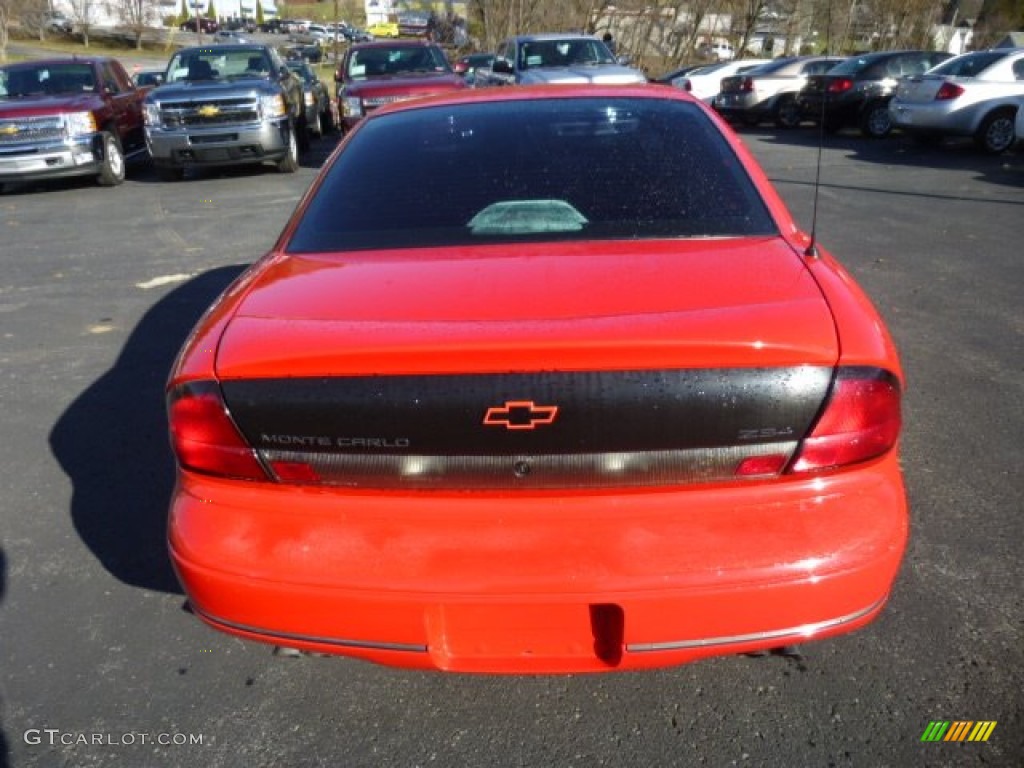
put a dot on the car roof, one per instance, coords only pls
(538, 92)
(553, 36)
(400, 43)
(226, 47)
(34, 63)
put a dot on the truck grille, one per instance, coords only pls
(27, 129)
(209, 112)
(379, 101)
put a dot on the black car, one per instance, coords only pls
(858, 91)
(314, 54)
(319, 117)
(204, 24)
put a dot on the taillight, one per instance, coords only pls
(840, 85)
(948, 91)
(204, 437)
(687, 85)
(861, 421)
(746, 84)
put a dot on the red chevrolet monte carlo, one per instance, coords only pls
(539, 380)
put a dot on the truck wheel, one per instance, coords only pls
(112, 171)
(316, 128)
(290, 162)
(996, 132)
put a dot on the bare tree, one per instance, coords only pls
(689, 26)
(745, 16)
(995, 19)
(83, 14)
(498, 19)
(30, 14)
(136, 15)
(5, 20)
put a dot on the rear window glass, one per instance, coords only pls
(772, 66)
(852, 65)
(968, 66)
(548, 169)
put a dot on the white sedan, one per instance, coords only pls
(706, 82)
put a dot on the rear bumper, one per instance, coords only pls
(222, 145)
(838, 110)
(934, 117)
(741, 105)
(541, 583)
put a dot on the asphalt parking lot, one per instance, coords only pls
(103, 665)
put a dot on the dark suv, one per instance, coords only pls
(858, 91)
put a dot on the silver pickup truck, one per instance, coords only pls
(226, 105)
(555, 59)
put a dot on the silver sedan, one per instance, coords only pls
(975, 94)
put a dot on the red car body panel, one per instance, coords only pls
(543, 581)
(593, 306)
(532, 567)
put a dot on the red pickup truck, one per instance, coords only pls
(76, 116)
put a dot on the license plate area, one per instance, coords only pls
(488, 636)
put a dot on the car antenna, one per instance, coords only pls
(811, 251)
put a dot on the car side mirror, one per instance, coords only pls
(625, 61)
(502, 67)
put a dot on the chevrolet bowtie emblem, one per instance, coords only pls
(209, 110)
(9, 130)
(520, 414)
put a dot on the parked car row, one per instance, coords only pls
(769, 91)
(242, 103)
(213, 105)
(927, 95)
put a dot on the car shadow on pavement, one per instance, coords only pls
(112, 442)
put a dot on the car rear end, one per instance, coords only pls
(738, 99)
(751, 96)
(955, 97)
(833, 98)
(566, 454)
